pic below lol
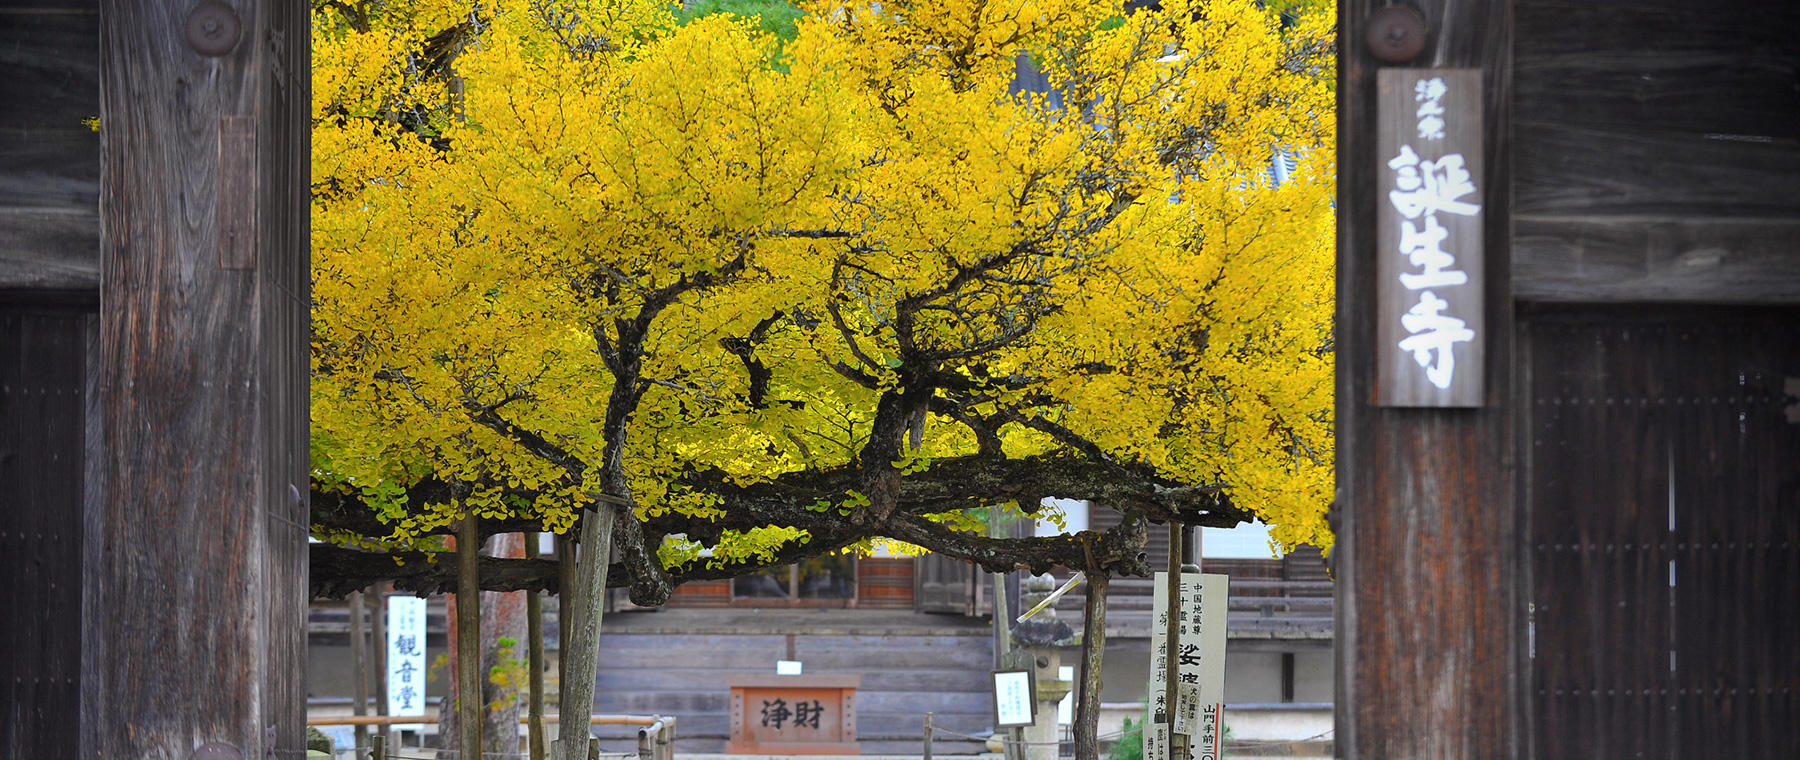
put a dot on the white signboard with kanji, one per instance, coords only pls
(406, 658)
(1200, 664)
(1015, 704)
(1430, 336)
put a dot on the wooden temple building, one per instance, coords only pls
(153, 371)
(918, 633)
(1598, 556)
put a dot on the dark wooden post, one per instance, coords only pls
(468, 636)
(378, 614)
(1429, 618)
(565, 596)
(359, 665)
(195, 597)
(534, 634)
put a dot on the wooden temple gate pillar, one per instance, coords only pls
(195, 587)
(1428, 637)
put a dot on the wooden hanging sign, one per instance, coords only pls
(1430, 338)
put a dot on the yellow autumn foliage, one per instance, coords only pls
(504, 192)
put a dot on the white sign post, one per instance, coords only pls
(406, 658)
(1200, 665)
(1015, 699)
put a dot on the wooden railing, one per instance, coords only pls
(1255, 604)
(656, 735)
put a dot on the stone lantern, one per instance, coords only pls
(1043, 636)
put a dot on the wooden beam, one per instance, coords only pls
(1689, 259)
(1429, 619)
(195, 599)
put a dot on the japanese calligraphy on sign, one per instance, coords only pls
(406, 658)
(802, 714)
(1015, 703)
(1199, 665)
(1429, 333)
(788, 715)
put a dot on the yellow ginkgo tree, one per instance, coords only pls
(762, 300)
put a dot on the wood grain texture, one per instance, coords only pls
(43, 406)
(1657, 144)
(884, 583)
(1565, 170)
(1695, 67)
(196, 631)
(1608, 259)
(1429, 624)
(1664, 541)
(49, 159)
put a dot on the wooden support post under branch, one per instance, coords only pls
(534, 635)
(468, 636)
(378, 615)
(359, 665)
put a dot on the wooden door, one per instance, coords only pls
(944, 585)
(1662, 469)
(43, 416)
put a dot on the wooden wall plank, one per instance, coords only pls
(1656, 145)
(1696, 67)
(1429, 623)
(49, 159)
(1579, 171)
(282, 265)
(1694, 93)
(1588, 259)
(196, 629)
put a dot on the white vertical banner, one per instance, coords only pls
(1200, 664)
(406, 658)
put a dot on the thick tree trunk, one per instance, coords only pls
(1093, 648)
(502, 647)
(580, 653)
